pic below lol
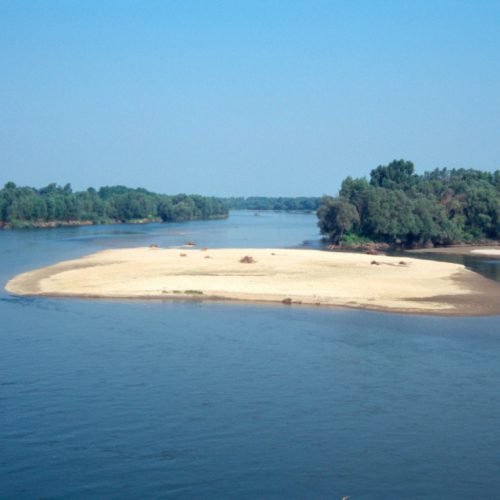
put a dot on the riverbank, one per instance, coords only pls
(77, 223)
(487, 251)
(309, 277)
(71, 223)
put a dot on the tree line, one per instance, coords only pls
(399, 207)
(30, 207)
(299, 204)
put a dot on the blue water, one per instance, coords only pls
(131, 399)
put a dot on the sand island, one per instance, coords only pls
(487, 251)
(311, 277)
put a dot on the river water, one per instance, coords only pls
(152, 399)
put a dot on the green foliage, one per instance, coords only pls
(336, 216)
(397, 175)
(351, 239)
(297, 204)
(401, 208)
(53, 204)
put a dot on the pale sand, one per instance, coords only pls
(485, 251)
(474, 250)
(304, 276)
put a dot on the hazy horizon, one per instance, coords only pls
(244, 98)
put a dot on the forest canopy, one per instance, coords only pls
(29, 207)
(299, 203)
(399, 207)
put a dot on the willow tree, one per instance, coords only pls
(336, 216)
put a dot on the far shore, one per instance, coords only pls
(52, 224)
(310, 277)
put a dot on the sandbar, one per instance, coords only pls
(288, 276)
(488, 251)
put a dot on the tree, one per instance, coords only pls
(336, 216)
(402, 208)
(26, 206)
(397, 175)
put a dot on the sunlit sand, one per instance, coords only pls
(485, 251)
(309, 277)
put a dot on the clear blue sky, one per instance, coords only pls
(272, 97)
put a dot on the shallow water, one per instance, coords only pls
(204, 400)
(490, 268)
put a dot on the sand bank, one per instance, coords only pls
(491, 251)
(293, 276)
(488, 252)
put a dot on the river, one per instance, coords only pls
(154, 399)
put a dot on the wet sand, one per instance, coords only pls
(309, 277)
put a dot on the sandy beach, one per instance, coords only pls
(487, 251)
(277, 275)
